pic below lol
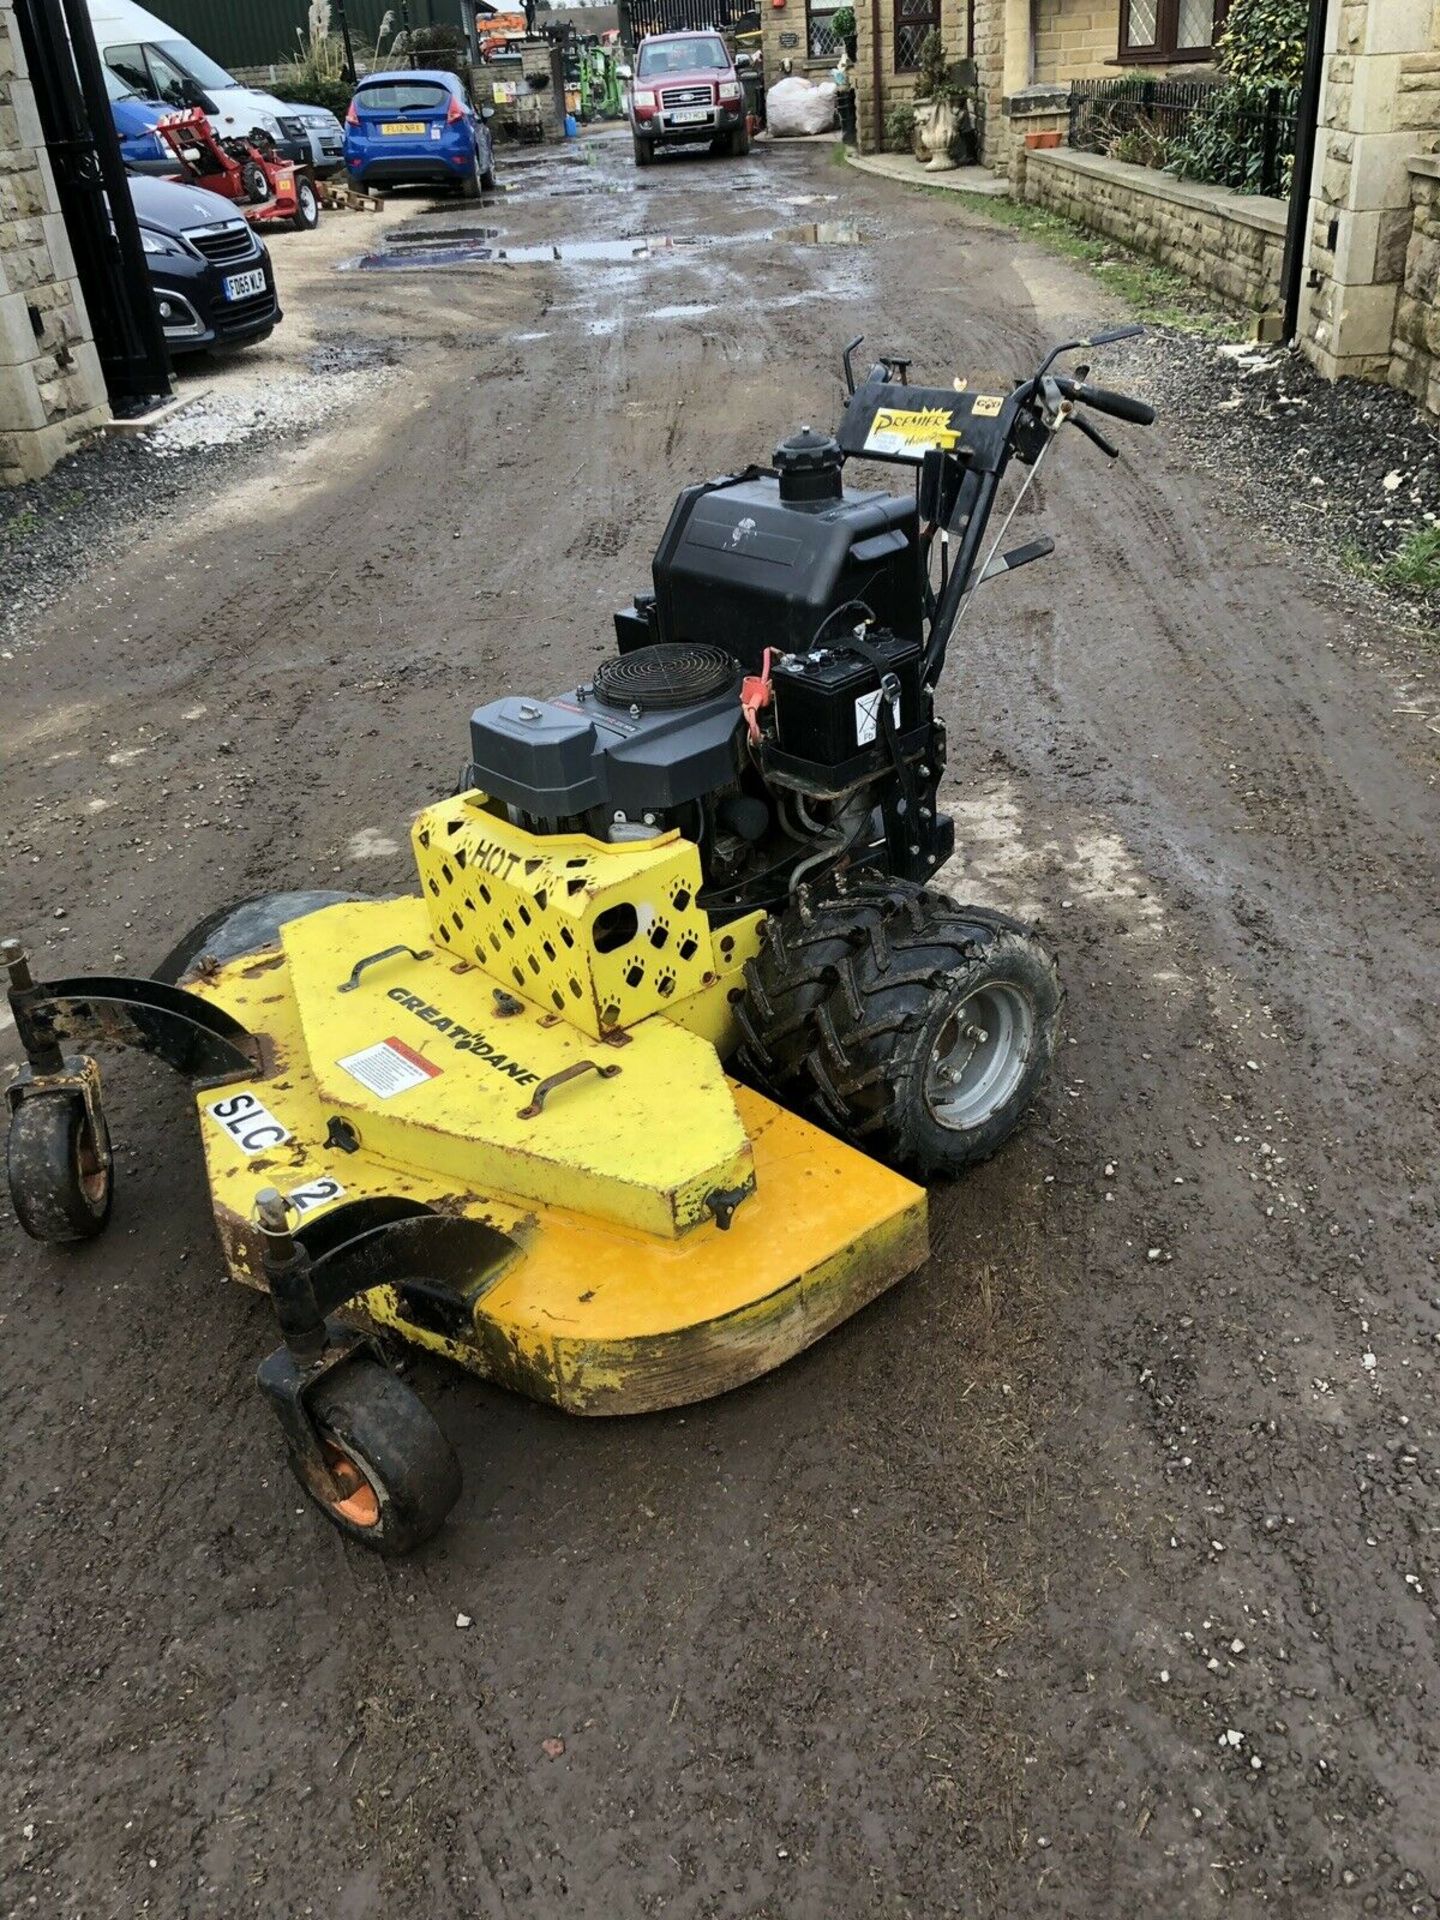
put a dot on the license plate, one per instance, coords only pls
(690, 117)
(402, 126)
(240, 285)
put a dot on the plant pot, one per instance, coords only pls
(851, 43)
(1037, 142)
(937, 126)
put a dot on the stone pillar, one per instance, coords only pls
(52, 392)
(1380, 107)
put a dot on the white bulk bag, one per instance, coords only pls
(796, 105)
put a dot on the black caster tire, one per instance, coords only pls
(242, 928)
(61, 1179)
(919, 1030)
(398, 1473)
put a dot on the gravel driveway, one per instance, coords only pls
(1091, 1572)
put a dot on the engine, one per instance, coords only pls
(804, 597)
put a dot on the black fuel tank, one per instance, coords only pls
(743, 567)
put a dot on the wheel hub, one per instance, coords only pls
(979, 1056)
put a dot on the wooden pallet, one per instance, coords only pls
(342, 198)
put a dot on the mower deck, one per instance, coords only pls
(607, 1284)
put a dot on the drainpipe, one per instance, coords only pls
(875, 75)
(1307, 136)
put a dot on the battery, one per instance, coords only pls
(827, 702)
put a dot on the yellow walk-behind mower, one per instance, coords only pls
(619, 1109)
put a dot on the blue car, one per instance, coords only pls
(141, 148)
(417, 129)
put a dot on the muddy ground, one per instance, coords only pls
(1092, 1571)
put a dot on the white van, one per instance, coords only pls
(157, 63)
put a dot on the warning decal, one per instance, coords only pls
(389, 1068)
(867, 716)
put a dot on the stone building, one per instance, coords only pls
(1371, 264)
(52, 392)
(1028, 52)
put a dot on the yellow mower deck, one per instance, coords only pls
(613, 1289)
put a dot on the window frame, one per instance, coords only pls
(822, 10)
(1165, 53)
(899, 19)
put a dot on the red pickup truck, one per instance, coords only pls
(684, 87)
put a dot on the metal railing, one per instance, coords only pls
(1206, 130)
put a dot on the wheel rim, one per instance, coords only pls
(980, 1056)
(91, 1173)
(308, 203)
(357, 1500)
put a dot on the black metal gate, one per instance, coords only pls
(95, 201)
(639, 17)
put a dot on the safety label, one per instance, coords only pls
(389, 1068)
(867, 715)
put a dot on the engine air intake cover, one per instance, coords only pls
(664, 676)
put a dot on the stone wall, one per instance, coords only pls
(1075, 40)
(1231, 244)
(52, 392)
(1415, 352)
(784, 36)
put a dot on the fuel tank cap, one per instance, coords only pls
(809, 465)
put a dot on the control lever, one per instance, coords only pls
(1092, 432)
(1039, 549)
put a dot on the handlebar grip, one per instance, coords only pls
(1119, 406)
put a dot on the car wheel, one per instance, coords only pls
(644, 151)
(472, 185)
(740, 141)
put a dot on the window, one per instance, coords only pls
(129, 64)
(168, 83)
(1169, 29)
(822, 41)
(660, 57)
(402, 96)
(913, 20)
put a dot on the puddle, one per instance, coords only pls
(479, 253)
(694, 312)
(821, 233)
(474, 247)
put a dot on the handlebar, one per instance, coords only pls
(1120, 406)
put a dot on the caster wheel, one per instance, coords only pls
(396, 1473)
(59, 1169)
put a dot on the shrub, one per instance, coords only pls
(842, 23)
(1232, 137)
(1264, 41)
(1142, 144)
(900, 129)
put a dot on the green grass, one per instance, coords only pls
(1152, 292)
(20, 525)
(1415, 566)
